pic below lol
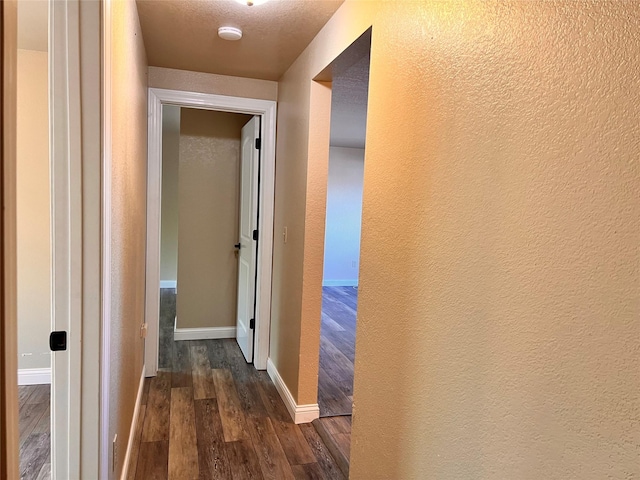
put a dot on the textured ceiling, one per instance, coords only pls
(349, 94)
(182, 34)
(33, 25)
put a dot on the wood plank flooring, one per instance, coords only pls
(35, 431)
(336, 433)
(238, 429)
(210, 415)
(337, 350)
(340, 429)
(335, 378)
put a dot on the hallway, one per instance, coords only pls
(211, 415)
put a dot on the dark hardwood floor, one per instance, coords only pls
(335, 378)
(337, 350)
(167, 324)
(210, 415)
(35, 431)
(336, 434)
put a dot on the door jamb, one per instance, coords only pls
(266, 109)
(67, 240)
(105, 314)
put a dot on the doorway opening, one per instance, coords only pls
(34, 251)
(207, 252)
(213, 244)
(349, 97)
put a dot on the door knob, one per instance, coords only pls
(58, 341)
(238, 246)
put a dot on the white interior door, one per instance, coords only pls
(249, 167)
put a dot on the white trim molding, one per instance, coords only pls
(266, 110)
(105, 323)
(208, 333)
(132, 430)
(75, 146)
(168, 284)
(299, 413)
(34, 376)
(340, 283)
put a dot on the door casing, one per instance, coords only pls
(75, 146)
(266, 109)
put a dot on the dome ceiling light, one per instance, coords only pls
(230, 33)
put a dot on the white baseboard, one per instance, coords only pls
(340, 283)
(204, 333)
(132, 431)
(34, 376)
(168, 284)
(299, 413)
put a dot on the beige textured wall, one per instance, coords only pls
(208, 195)
(34, 211)
(169, 207)
(210, 83)
(129, 160)
(500, 268)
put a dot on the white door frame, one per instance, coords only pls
(104, 442)
(267, 110)
(66, 229)
(76, 184)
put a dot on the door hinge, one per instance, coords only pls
(252, 323)
(255, 235)
(258, 143)
(58, 341)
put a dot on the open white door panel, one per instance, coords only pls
(247, 241)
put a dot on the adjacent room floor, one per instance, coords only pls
(335, 377)
(34, 403)
(337, 350)
(211, 415)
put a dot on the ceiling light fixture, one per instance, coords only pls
(230, 33)
(251, 3)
